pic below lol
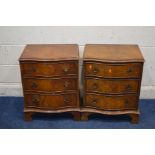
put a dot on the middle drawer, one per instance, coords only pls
(50, 85)
(111, 86)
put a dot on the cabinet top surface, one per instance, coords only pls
(47, 52)
(107, 52)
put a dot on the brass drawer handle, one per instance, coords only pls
(94, 86)
(35, 99)
(66, 84)
(126, 102)
(33, 69)
(66, 100)
(130, 70)
(95, 70)
(94, 102)
(34, 85)
(66, 69)
(128, 88)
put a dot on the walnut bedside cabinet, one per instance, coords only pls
(50, 79)
(112, 80)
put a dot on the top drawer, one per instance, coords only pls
(113, 70)
(49, 69)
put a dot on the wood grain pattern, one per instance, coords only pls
(111, 102)
(113, 70)
(50, 84)
(112, 78)
(46, 69)
(50, 77)
(47, 101)
(113, 53)
(48, 52)
(111, 86)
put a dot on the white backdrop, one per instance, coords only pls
(14, 39)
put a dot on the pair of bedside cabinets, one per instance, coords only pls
(111, 80)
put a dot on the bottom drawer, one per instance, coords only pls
(111, 102)
(51, 101)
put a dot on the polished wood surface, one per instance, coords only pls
(50, 52)
(111, 102)
(113, 70)
(46, 69)
(50, 85)
(111, 74)
(50, 79)
(112, 86)
(112, 78)
(113, 53)
(51, 102)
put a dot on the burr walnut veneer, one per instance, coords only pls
(112, 79)
(50, 79)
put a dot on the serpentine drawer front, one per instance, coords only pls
(51, 102)
(50, 84)
(50, 79)
(49, 69)
(113, 102)
(112, 78)
(113, 70)
(111, 86)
